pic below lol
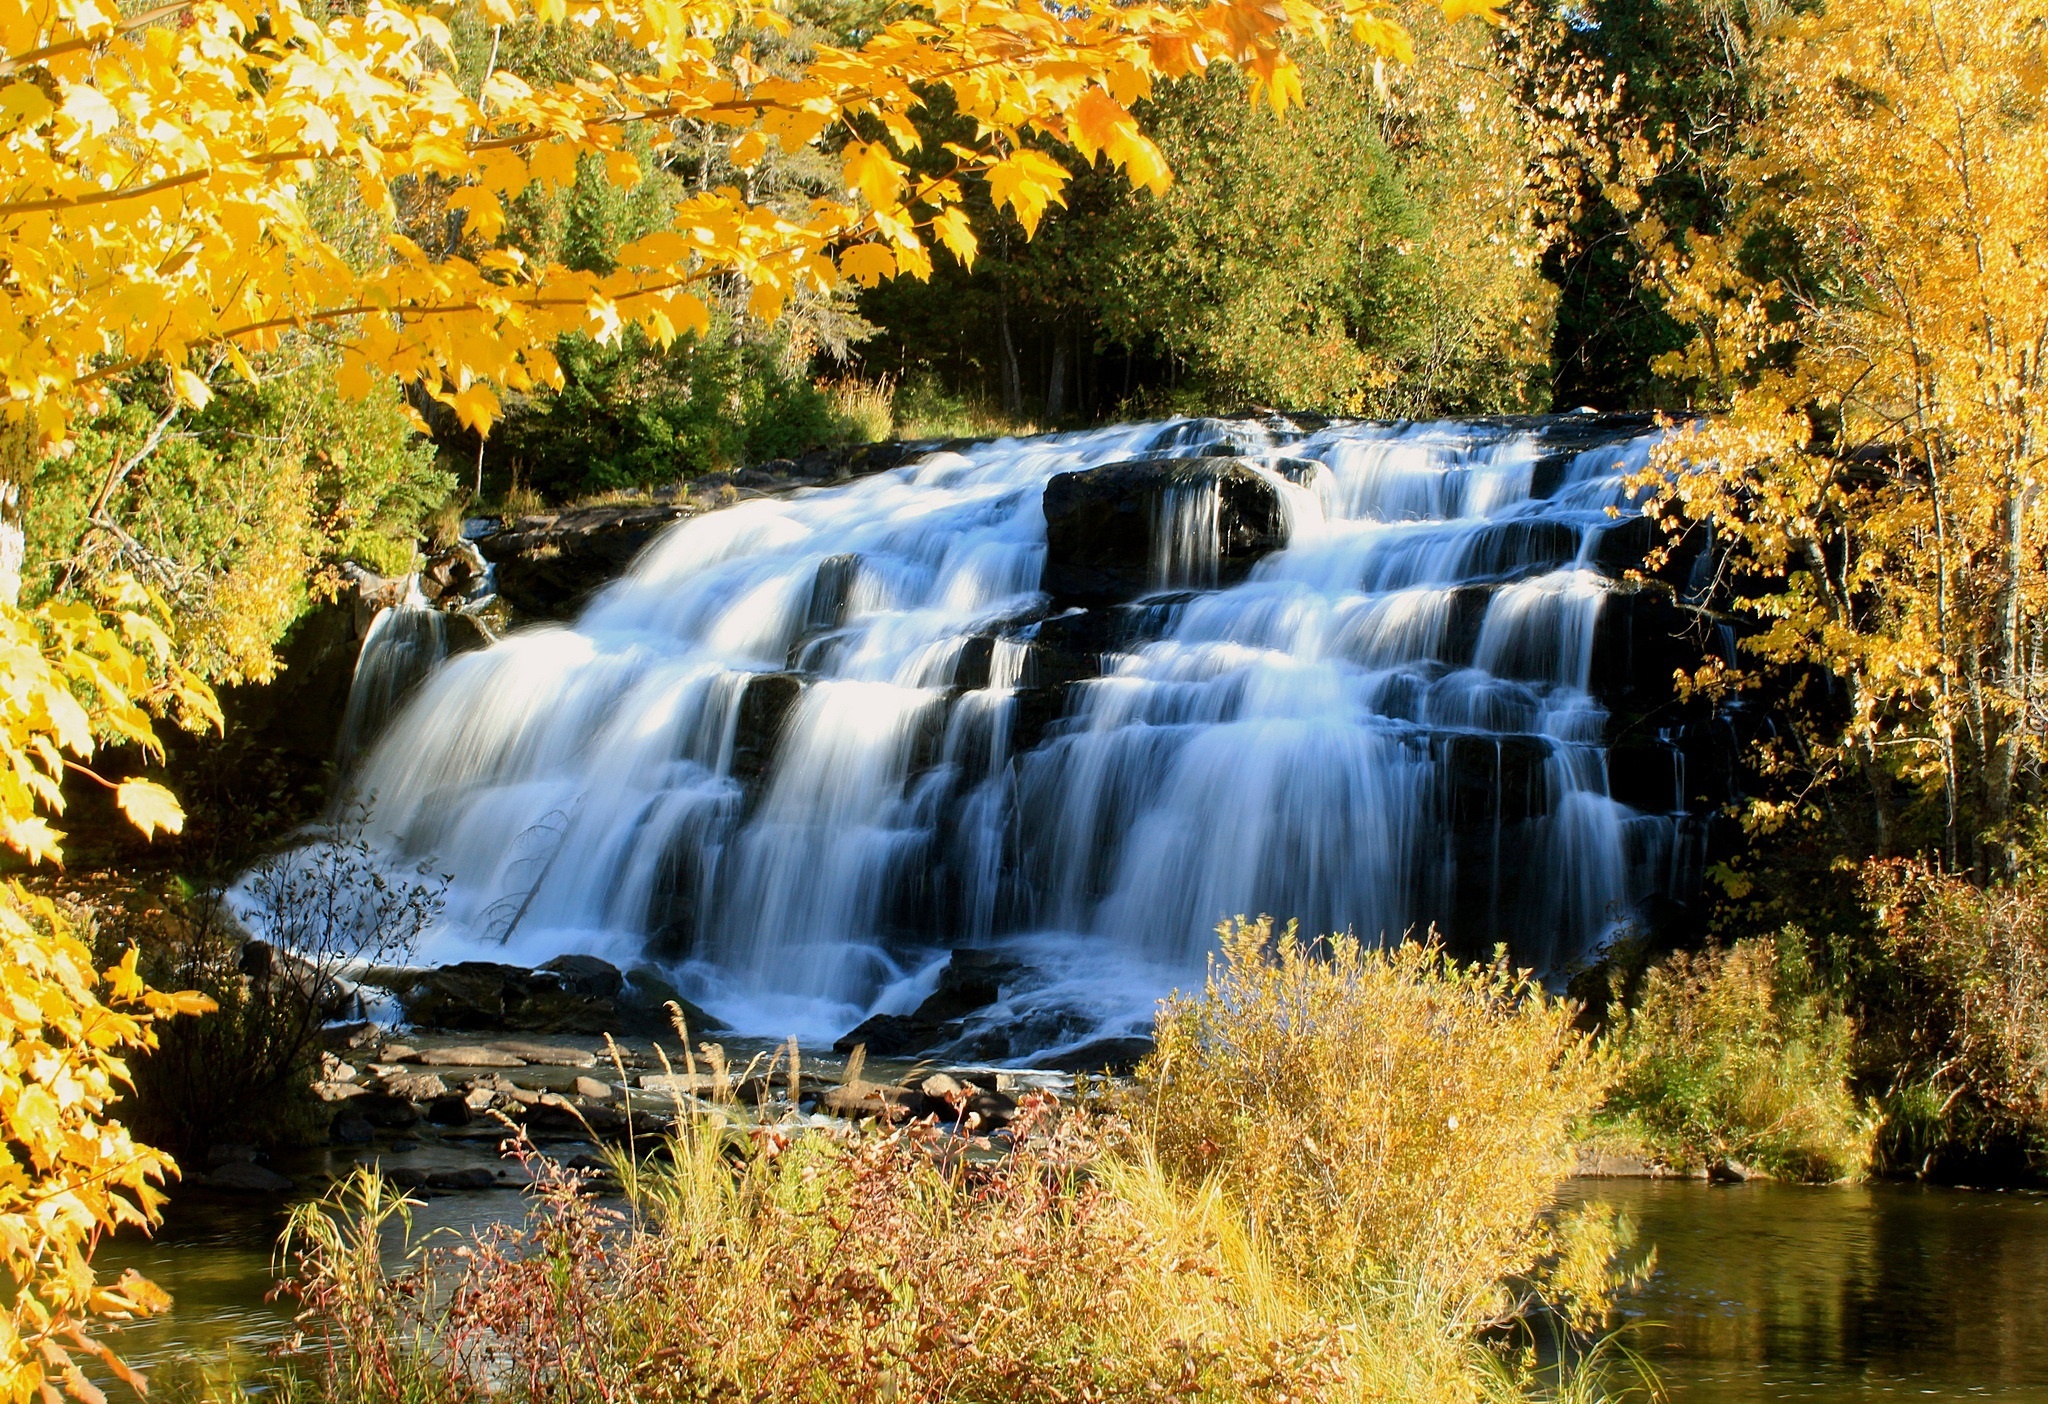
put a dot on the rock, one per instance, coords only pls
(867, 1100)
(277, 971)
(470, 1055)
(1730, 1172)
(764, 707)
(383, 1109)
(337, 1091)
(586, 975)
(237, 1154)
(360, 1034)
(896, 1035)
(1101, 524)
(399, 1053)
(480, 1098)
(484, 996)
(474, 1177)
(648, 995)
(1116, 1055)
(451, 1110)
(590, 1087)
(452, 575)
(246, 1177)
(548, 1055)
(971, 980)
(332, 1069)
(416, 1087)
(1599, 1164)
(349, 1129)
(940, 1087)
(679, 1084)
(547, 566)
(472, 994)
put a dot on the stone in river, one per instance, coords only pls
(470, 1055)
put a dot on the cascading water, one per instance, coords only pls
(807, 743)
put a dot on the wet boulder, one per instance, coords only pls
(585, 975)
(1108, 528)
(1114, 1055)
(764, 707)
(548, 565)
(971, 980)
(560, 998)
(896, 1036)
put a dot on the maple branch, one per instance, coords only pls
(14, 62)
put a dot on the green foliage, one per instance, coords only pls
(1367, 254)
(633, 415)
(1730, 1056)
(1364, 254)
(230, 512)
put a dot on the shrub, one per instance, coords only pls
(634, 414)
(866, 407)
(1954, 1007)
(229, 513)
(324, 908)
(1388, 1119)
(1728, 1056)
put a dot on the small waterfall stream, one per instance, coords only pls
(809, 743)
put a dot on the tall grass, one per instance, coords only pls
(1327, 1185)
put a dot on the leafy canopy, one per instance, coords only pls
(158, 162)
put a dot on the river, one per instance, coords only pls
(1762, 1292)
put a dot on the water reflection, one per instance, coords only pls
(1774, 1292)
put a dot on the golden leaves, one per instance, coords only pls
(156, 174)
(1026, 182)
(149, 807)
(1876, 467)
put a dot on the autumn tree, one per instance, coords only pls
(1876, 477)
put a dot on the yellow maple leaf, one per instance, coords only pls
(149, 807)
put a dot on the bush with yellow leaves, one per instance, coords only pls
(73, 674)
(1390, 1120)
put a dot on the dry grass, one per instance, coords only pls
(1286, 1215)
(866, 407)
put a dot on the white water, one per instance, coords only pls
(1277, 746)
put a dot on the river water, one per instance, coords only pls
(1762, 1292)
(1838, 1294)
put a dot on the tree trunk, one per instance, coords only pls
(1056, 382)
(1013, 388)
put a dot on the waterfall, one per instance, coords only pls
(403, 645)
(807, 742)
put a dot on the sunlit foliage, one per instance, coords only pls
(1878, 471)
(158, 166)
(1387, 1118)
